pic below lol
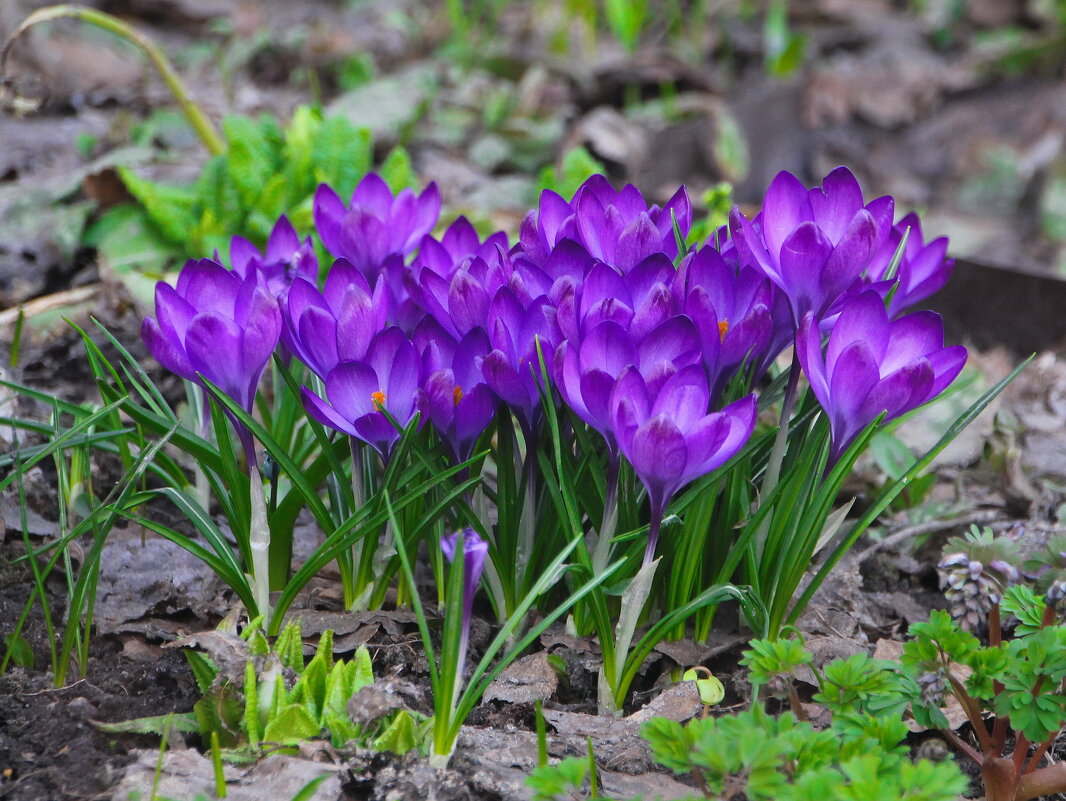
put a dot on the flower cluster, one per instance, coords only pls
(655, 345)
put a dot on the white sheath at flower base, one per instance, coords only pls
(259, 544)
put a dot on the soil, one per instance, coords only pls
(933, 120)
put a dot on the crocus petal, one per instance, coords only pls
(848, 259)
(329, 213)
(836, 202)
(166, 350)
(283, 242)
(803, 258)
(863, 320)
(658, 453)
(785, 206)
(351, 387)
(324, 413)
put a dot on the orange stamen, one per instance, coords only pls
(457, 395)
(723, 327)
(379, 400)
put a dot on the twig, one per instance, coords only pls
(197, 119)
(930, 527)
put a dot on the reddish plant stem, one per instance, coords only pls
(1038, 754)
(973, 714)
(1021, 750)
(1049, 616)
(794, 703)
(1044, 782)
(963, 746)
(997, 773)
(995, 627)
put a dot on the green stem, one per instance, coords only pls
(259, 543)
(196, 117)
(777, 455)
(601, 554)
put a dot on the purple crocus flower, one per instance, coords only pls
(359, 391)
(337, 324)
(671, 439)
(639, 300)
(586, 372)
(285, 259)
(455, 397)
(377, 224)
(474, 550)
(512, 367)
(459, 243)
(618, 227)
(216, 325)
(813, 244)
(872, 365)
(460, 302)
(621, 229)
(732, 307)
(923, 270)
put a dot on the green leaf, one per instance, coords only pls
(250, 157)
(19, 649)
(670, 743)
(291, 725)
(218, 194)
(626, 18)
(1020, 600)
(399, 736)
(342, 154)
(578, 166)
(251, 704)
(397, 172)
(558, 781)
(289, 648)
(127, 240)
(363, 671)
(170, 208)
(159, 725)
(203, 670)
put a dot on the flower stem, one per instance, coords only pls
(654, 524)
(196, 117)
(526, 524)
(601, 554)
(259, 544)
(777, 454)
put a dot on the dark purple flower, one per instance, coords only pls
(872, 365)
(639, 300)
(357, 392)
(512, 367)
(670, 438)
(286, 258)
(732, 308)
(923, 270)
(216, 325)
(337, 324)
(455, 397)
(813, 244)
(620, 228)
(586, 372)
(459, 243)
(460, 302)
(617, 227)
(474, 550)
(376, 224)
